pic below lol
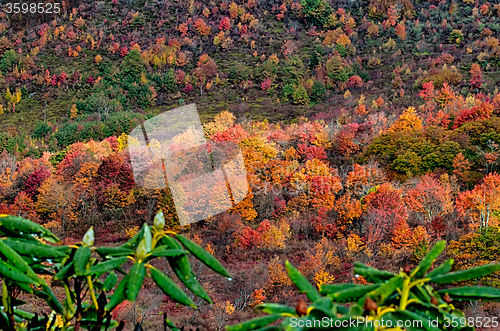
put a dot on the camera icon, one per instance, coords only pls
(205, 177)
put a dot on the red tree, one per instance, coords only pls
(476, 76)
(225, 24)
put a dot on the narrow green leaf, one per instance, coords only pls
(254, 323)
(468, 274)
(36, 248)
(134, 241)
(473, 293)
(114, 251)
(135, 280)
(17, 261)
(65, 272)
(416, 322)
(105, 266)
(24, 287)
(23, 314)
(276, 308)
(182, 269)
(171, 325)
(118, 296)
(9, 271)
(171, 242)
(420, 293)
(16, 227)
(350, 293)
(165, 251)
(385, 290)
(372, 275)
(109, 282)
(429, 258)
(4, 319)
(322, 308)
(170, 288)
(334, 288)
(41, 269)
(443, 268)
(301, 282)
(203, 255)
(80, 260)
(178, 265)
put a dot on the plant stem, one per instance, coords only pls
(405, 293)
(68, 301)
(92, 293)
(5, 297)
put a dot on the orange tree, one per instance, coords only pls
(406, 297)
(87, 274)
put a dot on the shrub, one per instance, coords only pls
(188, 88)
(131, 67)
(318, 91)
(440, 77)
(9, 58)
(81, 265)
(239, 72)
(300, 96)
(355, 81)
(404, 296)
(342, 50)
(288, 91)
(477, 248)
(316, 12)
(166, 82)
(456, 37)
(41, 130)
(224, 24)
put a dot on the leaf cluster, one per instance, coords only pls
(410, 295)
(89, 274)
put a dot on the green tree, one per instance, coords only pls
(100, 103)
(336, 70)
(288, 91)
(9, 58)
(300, 96)
(165, 82)
(294, 70)
(407, 163)
(131, 68)
(316, 12)
(315, 58)
(318, 91)
(41, 130)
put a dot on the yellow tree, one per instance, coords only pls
(55, 200)
(73, 112)
(408, 121)
(13, 98)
